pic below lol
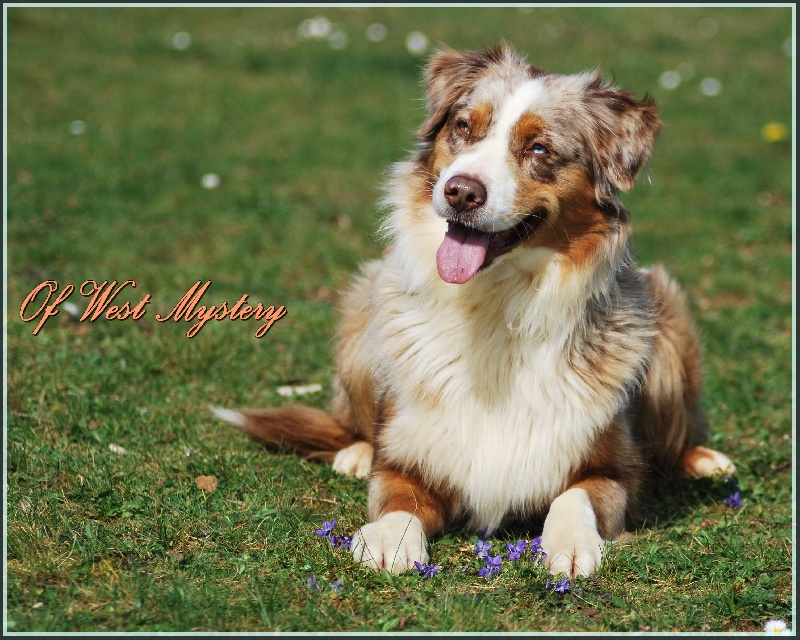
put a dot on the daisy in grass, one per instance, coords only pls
(776, 626)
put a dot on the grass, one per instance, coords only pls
(103, 539)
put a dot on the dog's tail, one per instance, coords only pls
(309, 432)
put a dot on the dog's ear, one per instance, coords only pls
(447, 75)
(623, 132)
(450, 73)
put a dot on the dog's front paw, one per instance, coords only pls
(570, 537)
(574, 551)
(393, 543)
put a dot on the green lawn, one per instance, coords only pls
(171, 146)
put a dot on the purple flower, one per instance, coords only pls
(337, 586)
(492, 566)
(426, 570)
(312, 582)
(515, 550)
(562, 586)
(536, 548)
(734, 501)
(732, 483)
(327, 528)
(341, 541)
(482, 548)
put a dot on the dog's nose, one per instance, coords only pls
(464, 194)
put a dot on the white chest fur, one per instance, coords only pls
(486, 400)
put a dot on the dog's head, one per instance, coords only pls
(518, 157)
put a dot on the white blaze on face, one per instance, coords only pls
(488, 161)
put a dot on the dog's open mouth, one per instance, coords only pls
(465, 250)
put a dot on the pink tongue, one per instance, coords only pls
(461, 253)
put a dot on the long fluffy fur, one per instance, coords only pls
(557, 375)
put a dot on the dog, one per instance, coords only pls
(506, 359)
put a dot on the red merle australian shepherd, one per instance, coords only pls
(506, 359)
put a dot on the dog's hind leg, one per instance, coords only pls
(355, 460)
(671, 423)
(702, 462)
(343, 436)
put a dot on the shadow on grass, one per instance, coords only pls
(665, 500)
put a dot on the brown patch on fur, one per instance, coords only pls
(609, 500)
(582, 229)
(441, 156)
(670, 418)
(419, 189)
(393, 490)
(479, 120)
(611, 475)
(575, 226)
(528, 128)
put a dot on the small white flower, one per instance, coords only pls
(71, 309)
(417, 42)
(670, 79)
(710, 87)
(775, 626)
(376, 32)
(318, 27)
(337, 40)
(117, 449)
(210, 181)
(181, 41)
(77, 127)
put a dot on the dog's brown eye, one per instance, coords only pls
(462, 128)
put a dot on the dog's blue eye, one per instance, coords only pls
(539, 149)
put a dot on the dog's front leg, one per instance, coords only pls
(579, 521)
(404, 515)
